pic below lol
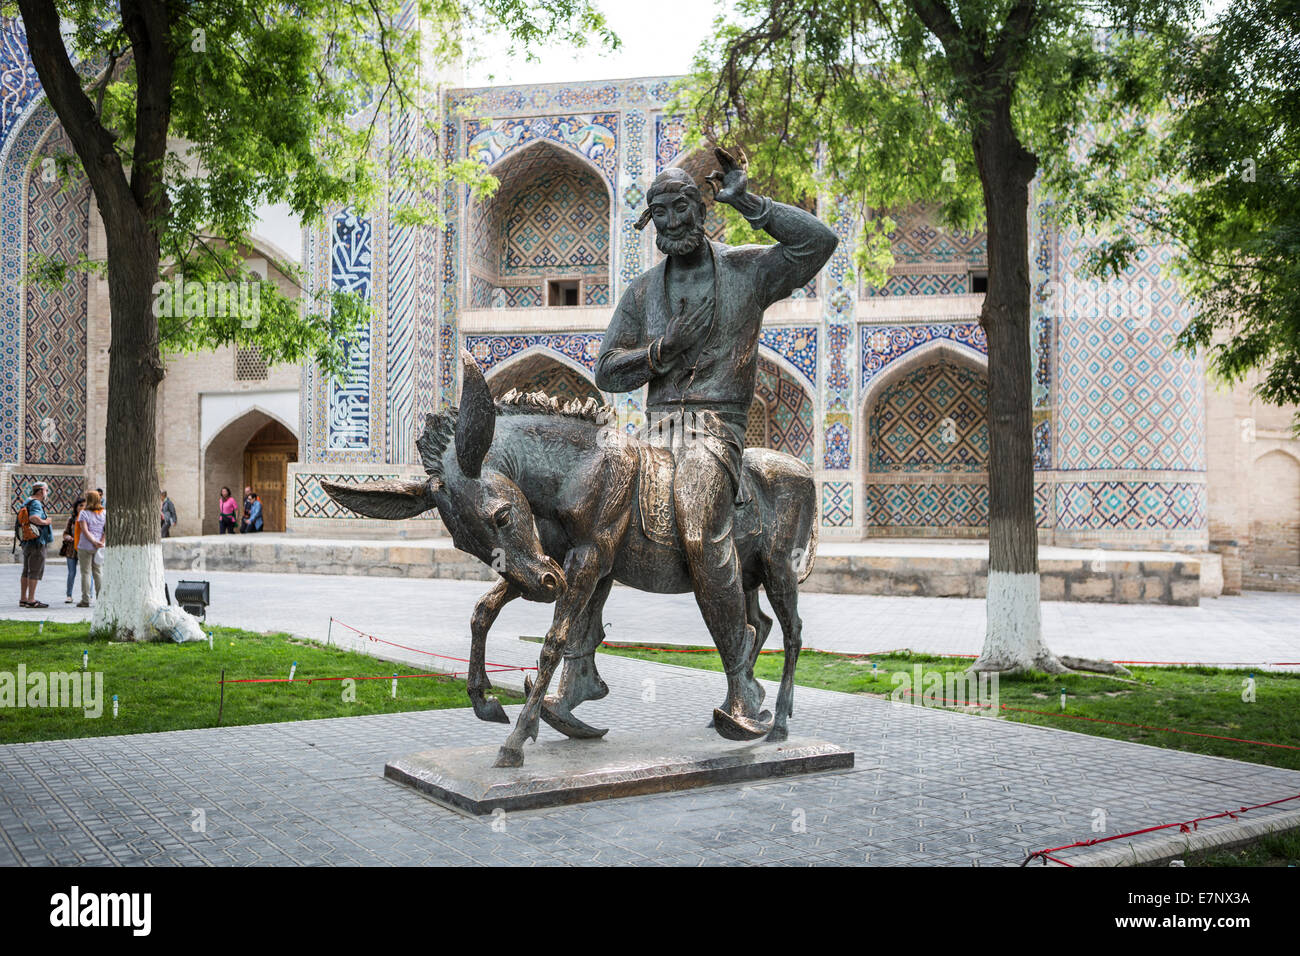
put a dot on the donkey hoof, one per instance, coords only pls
(733, 727)
(509, 757)
(778, 734)
(562, 719)
(490, 709)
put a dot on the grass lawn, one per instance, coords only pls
(1200, 699)
(1278, 849)
(176, 686)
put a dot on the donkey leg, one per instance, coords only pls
(762, 624)
(486, 707)
(784, 595)
(582, 571)
(579, 680)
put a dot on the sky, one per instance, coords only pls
(659, 37)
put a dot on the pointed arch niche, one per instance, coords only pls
(543, 238)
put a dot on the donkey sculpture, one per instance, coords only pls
(563, 504)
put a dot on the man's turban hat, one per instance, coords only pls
(671, 180)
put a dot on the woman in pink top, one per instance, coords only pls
(90, 541)
(227, 507)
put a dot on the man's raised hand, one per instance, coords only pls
(731, 182)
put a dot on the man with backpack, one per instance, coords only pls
(33, 529)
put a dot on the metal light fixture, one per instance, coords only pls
(194, 597)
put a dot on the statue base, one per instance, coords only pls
(562, 772)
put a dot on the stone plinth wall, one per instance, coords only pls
(1146, 579)
(1153, 580)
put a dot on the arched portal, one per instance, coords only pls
(782, 413)
(255, 451)
(1275, 511)
(927, 448)
(541, 373)
(543, 238)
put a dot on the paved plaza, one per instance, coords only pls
(929, 786)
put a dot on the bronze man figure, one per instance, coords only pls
(689, 327)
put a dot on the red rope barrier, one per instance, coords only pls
(1183, 827)
(417, 650)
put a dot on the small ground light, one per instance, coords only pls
(209, 640)
(1062, 698)
(114, 705)
(194, 597)
(394, 687)
(85, 660)
(293, 667)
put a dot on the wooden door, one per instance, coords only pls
(267, 473)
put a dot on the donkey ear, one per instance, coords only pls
(477, 418)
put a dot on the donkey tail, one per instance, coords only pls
(810, 555)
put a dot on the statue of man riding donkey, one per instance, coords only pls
(563, 503)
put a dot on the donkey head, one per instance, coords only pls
(485, 511)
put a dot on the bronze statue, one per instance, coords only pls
(685, 509)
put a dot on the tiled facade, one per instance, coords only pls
(880, 389)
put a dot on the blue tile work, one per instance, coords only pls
(491, 350)
(351, 271)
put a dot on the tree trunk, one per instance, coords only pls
(133, 566)
(1013, 635)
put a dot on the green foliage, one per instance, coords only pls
(318, 105)
(887, 110)
(1199, 147)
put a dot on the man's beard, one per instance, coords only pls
(683, 246)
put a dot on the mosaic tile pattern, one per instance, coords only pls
(944, 507)
(795, 344)
(837, 316)
(1127, 399)
(1130, 505)
(554, 378)
(837, 504)
(58, 213)
(311, 501)
(559, 227)
(491, 350)
(933, 419)
(670, 131)
(350, 271)
(19, 84)
(934, 284)
(789, 411)
(883, 344)
(918, 239)
(63, 491)
(593, 136)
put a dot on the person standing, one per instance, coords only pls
(38, 527)
(68, 550)
(253, 521)
(227, 507)
(168, 515)
(90, 541)
(248, 505)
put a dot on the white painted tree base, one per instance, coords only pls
(1013, 635)
(133, 594)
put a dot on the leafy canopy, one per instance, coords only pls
(315, 104)
(862, 100)
(1216, 174)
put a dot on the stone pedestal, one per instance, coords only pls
(578, 771)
